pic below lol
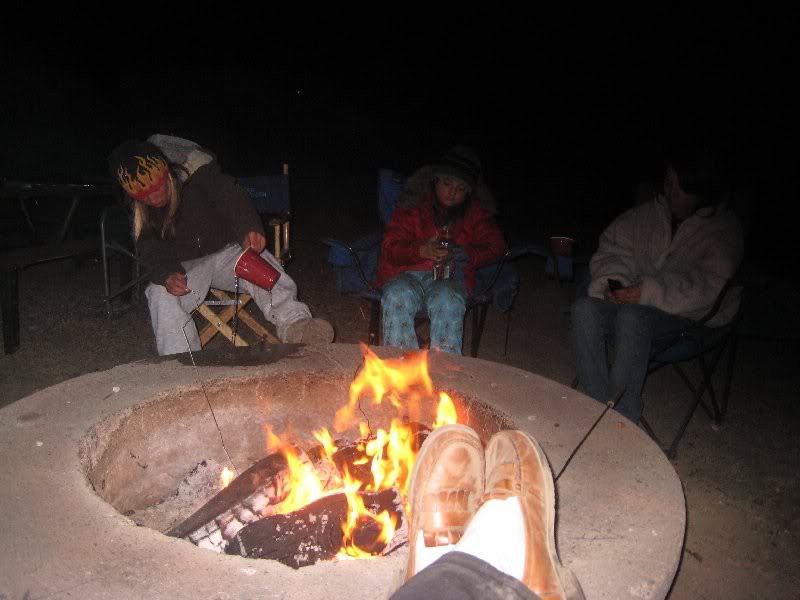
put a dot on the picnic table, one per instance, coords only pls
(14, 261)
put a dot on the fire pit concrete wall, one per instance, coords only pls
(137, 458)
(620, 520)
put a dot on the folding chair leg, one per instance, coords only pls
(221, 326)
(508, 326)
(9, 308)
(478, 319)
(374, 323)
(649, 430)
(734, 343)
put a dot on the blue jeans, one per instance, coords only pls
(460, 576)
(631, 329)
(445, 301)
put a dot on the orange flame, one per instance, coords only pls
(226, 477)
(445, 412)
(304, 484)
(358, 512)
(398, 379)
(390, 454)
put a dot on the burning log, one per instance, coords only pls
(314, 532)
(253, 509)
(349, 456)
(253, 495)
(258, 477)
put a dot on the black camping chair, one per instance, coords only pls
(356, 266)
(705, 347)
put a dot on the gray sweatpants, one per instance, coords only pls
(171, 315)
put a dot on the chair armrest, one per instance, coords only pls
(513, 253)
(737, 282)
(334, 243)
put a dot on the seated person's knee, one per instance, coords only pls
(401, 289)
(584, 309)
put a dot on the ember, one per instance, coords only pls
(341, 497)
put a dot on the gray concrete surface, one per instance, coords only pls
(621, 506)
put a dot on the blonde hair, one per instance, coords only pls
(141, 211)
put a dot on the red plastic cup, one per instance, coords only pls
(251, 267)
(561, 245)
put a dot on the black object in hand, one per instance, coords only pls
(614, 285)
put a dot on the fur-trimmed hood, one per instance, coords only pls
(421, 182)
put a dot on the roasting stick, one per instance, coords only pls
(203, 387)
(610, 404)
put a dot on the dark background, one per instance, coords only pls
(568, 111)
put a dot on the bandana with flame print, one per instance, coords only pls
(148, 176)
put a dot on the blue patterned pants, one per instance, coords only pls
(444, 301)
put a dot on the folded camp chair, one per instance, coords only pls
(705, 347)
(270, 196)
(356, 266)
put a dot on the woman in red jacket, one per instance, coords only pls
(440, 233)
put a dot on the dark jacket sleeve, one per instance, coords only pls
(158, 257)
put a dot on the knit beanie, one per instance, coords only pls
(139, 167)
(461, 163)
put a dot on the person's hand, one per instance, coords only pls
(627, 295)
(458, 253)
(430, 249)
(176, 284)
(254, 240)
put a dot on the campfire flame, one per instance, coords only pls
(304, 484)
(391, 454)
(403, 381)
(446, 412)
(226, 477)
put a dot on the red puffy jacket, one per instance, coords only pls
(409, 227)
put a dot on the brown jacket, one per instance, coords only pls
(214, 212)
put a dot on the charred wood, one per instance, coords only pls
(314, 532)
(259, 477)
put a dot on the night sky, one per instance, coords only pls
(567, 111)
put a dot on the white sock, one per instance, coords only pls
(496, 535)
(423, 556)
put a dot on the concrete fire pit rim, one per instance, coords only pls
(45, 429)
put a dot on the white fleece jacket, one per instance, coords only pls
(681, 275)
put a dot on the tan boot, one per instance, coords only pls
(309, 331)
(445, 488)
(517, 466)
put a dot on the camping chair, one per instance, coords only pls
(705, 347)
(117, 244)
(356, 266)
(270, 196)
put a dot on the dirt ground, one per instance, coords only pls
(740, 481)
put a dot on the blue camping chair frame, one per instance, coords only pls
(270, 196)
(356, 266)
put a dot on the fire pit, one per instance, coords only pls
(96, 456)
(161, 464)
